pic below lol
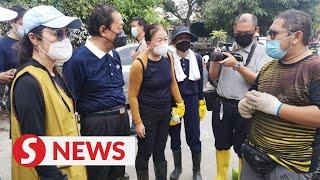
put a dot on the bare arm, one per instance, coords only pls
(303, 115)
(7, 76)
(247, 74)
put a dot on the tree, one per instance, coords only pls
(183, 10)
(219, 37)
(143, 8)
(221, 14)
(81, 9)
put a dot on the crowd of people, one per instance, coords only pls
(266, 105)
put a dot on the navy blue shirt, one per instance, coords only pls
(9, 56)
(188, 87)
(95, 83)
(155, 90)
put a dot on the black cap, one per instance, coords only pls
(183, 30)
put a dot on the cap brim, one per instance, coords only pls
(7, 14)
(64, 21)
(193, 37)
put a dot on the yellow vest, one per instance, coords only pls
(59, 121)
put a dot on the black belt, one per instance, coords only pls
(116, 110)
(232, 101)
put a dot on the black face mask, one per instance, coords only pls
(120, 40)
(183, 46)
(244, 40)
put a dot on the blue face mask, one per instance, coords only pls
(274, 50)
(134, 31)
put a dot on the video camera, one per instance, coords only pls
(219, 56)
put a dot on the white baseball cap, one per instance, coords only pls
(7, 14)
(48, 16)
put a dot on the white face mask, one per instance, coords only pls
(161, 50)
(20, 31)
(60, 51)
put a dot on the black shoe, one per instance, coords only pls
(142, 174)
(160, 170)
(177, 165)
(196, 159)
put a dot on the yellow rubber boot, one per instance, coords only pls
(223, 159)
(240, 167)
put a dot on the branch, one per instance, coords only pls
(193, 3)
(176, 14)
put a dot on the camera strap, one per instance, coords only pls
(138, 46)
(253, 47)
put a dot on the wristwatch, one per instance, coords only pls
(237, 66)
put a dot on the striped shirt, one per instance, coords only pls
(291, 145)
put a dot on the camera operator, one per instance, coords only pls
(235, 71)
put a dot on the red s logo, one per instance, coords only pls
(29, 150)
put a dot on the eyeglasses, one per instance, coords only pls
(60, 34)
(273, 34)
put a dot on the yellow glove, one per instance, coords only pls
(202, 109)
(180, 109)
(175, 119)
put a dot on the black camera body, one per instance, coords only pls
(219, 56)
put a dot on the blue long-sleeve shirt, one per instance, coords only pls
(95, 80)
(9, 57)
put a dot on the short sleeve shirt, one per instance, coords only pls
(231, 84)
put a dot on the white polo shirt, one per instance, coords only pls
(231, 84)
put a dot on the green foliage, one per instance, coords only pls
(219, 37)
(133, 8)
(235, 174)
(129, 9)
(221, 14)
(81, 8)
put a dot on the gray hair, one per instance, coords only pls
(295, 20)
(247, 18)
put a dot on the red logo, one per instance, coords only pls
(29, 150)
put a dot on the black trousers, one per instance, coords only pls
(231, 129)
(105, 124)
(192, 126)
(156, 124)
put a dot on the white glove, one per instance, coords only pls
(245, 109)
(264, 102)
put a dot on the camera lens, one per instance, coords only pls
(217, 56)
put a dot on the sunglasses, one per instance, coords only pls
(273, 33)
(60, 34)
